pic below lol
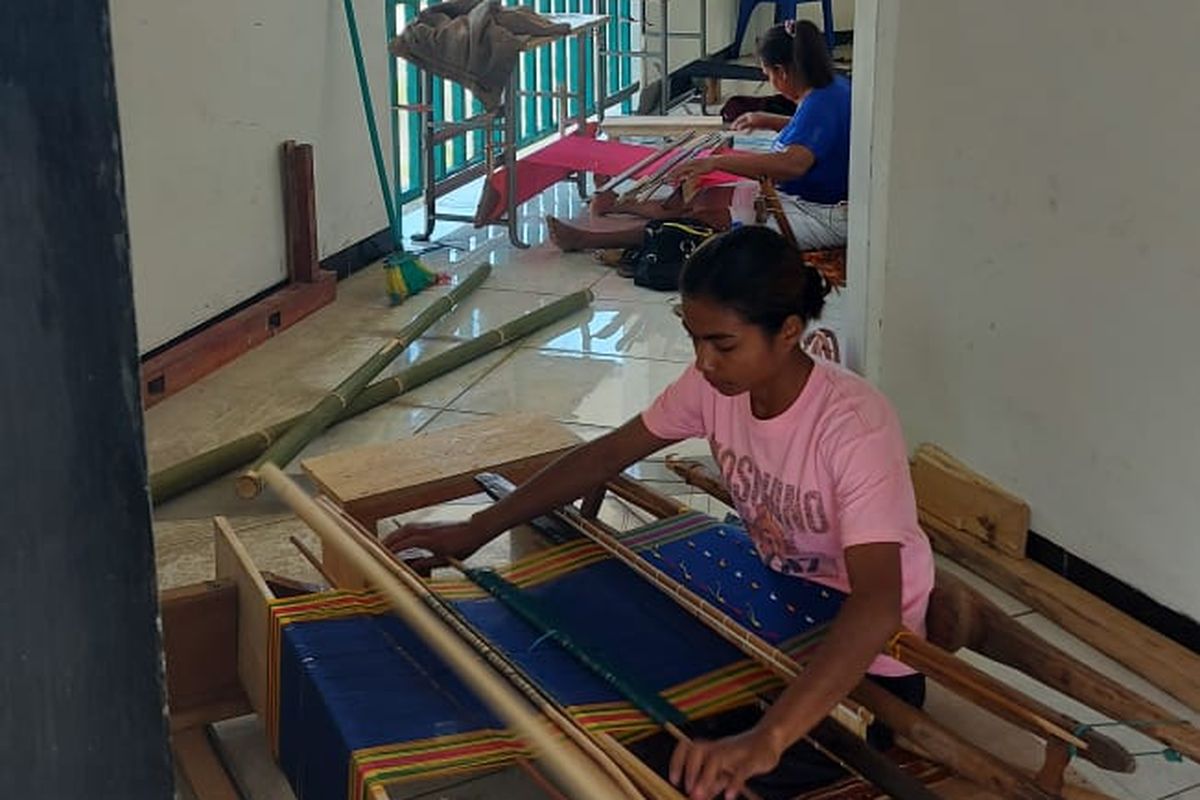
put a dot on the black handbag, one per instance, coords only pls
(665, 247)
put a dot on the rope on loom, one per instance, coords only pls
(1168, 753)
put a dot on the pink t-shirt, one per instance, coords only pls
(828, 473)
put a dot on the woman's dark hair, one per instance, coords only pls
(803, 54)
(754, 271)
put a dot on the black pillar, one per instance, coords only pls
(81, 688)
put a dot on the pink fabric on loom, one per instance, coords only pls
(541, 169)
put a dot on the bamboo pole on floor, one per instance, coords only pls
(203, 467)
(320, 416)
(577, 773)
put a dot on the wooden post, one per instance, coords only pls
(83, 697)
(300, 211)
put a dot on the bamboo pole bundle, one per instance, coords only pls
(577, 773)
(203, 467)
(320, 416)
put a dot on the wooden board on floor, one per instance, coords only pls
(657, 125)
(200, 764)
(380, 480)
(1166, 664)
(199, 624)
(253, 596)
(206, 350)
(949, 490)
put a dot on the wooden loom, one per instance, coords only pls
(430, 481)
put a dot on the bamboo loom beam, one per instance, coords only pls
(210, 464)
(569, 765)
(327, 409)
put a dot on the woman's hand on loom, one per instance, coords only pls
(750, 121)
(691, 169)
(445, 540)
(721, 768)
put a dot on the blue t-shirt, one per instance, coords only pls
(822, 124)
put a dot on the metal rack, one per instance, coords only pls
(664, 36)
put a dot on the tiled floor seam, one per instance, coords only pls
(1180, 792)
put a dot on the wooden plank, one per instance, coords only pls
(949, 490)
(198, 354)
(656, 125)
(384, 479)
(200, 764)
(199, 624)
(961, 617)
(253, 596)
(1163, 662)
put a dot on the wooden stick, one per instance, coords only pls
(967, 619)
(707, 142)
(576, 772)
(649, 159)
(549, 707)
(312, 559)
(774, 205)
(1161, 661)
(660, 172)
(982, 689)
(641, 496)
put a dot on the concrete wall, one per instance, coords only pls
(207, 92)
(1041, 263)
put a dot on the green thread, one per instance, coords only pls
(537, 614)
(1169, 754)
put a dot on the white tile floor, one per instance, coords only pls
(592, 371)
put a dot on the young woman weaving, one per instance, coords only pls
(817, 466)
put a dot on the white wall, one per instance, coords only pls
(1042, 265)
(722, 24)
(207, 92)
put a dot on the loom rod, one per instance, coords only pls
(711, 140)
(662, 169)
(581, 776)
(646, 161)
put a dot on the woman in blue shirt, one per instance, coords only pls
(810, 158)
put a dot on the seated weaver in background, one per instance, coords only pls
(809, 160)
(818, 468)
